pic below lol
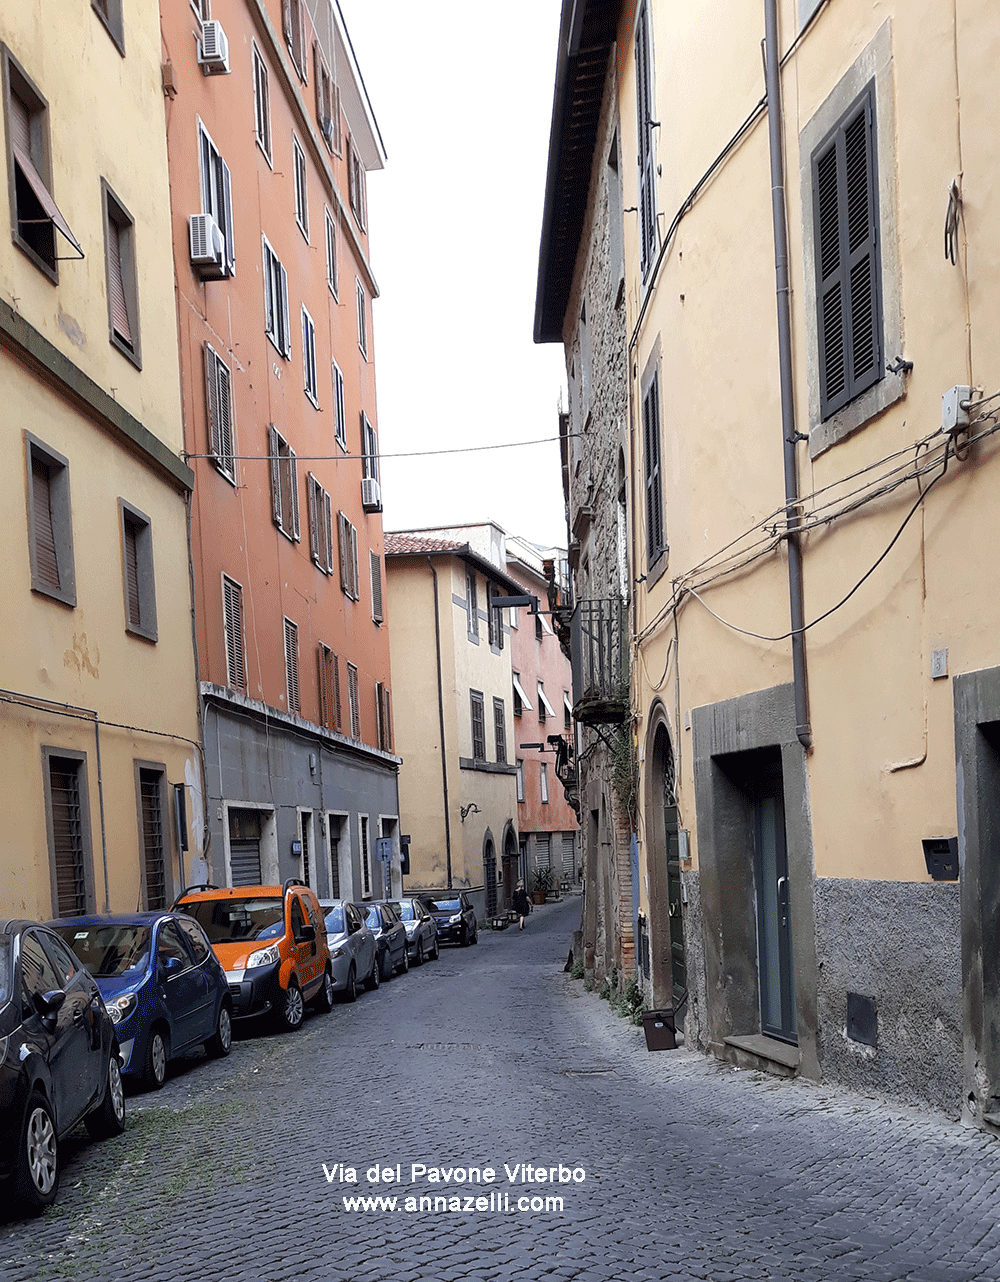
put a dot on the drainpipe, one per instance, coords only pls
(790, 437)
(444, 755)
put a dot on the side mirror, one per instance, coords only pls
(171, 967)
(306, 934)
(48, 1004)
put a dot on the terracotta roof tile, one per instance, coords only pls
(409, 544)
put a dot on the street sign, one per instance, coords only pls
(383, 848)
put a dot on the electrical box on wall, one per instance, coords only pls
(941, 857)
(955, 410)
(862, 1019)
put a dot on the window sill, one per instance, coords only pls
(64, 597)
(856, 414)
(486, 767)
(120, 345)
(658, 569)
(142, 634)
(51, 272)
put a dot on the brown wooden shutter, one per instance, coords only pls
(275, 462)
(337, 716)
(292, 664)
(376, 569)
(327, 524)
(355, 577)
(293, 482)
(379, 728)
(233, 612)
(116, 284)
(344, 550)
(312, 485)
(133, 601)
(212, 400)
(46, 558)
(225, 430)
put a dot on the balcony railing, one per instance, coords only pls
(600, 675)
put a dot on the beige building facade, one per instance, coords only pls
(814, 664)
(99, 731)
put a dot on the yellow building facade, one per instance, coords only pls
(98, 714)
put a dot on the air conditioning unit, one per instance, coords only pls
(213, 50)
(371, 495)
(208, 246)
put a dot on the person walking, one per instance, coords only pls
(522, 904)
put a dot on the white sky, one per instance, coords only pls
(463, 97)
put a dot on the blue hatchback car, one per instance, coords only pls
(161, 982)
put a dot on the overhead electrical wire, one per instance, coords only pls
(361, 458)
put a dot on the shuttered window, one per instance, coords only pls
(338, 403)
(276, 324)
(500, 731)
(329, 689)
(352, 699)
(284, 483)
(478, 725)
(644, 124)
(261, 103)
(376, 573)
(120, 275)
(219, 412)
(310, 381)
(137, 572)
(46, 560)
(320, 524)
(292, 665)
(232, 605)
(294, 30)
(656, 544)
(471, 605)
(119, 307)
(356, 183)
(848, 272)
(327, 102)
(331, 253)
(362, 319)
(347, 544)
(383, 716)
(132, 602)
(69, 843)
(369, 448)
(49, 523)
(217, 193)
(301, 188)
(153, 844)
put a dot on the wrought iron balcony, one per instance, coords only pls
(597, 652)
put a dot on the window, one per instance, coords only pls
(471, 606)
(383, 716)
(567, 713)
(366, 860)
(331, 254)
(478, 725)
(137, 572)
(500, 731)
(369, 448)
(232, 614)
(219, 412)
(347, 544)
(292, 665)
(217, 193)
(538, 626)
(276, 302)
(586, 361)
(495, 618)
(293, 26)
(848, 274)
(362, 320)
(545, 709)
(69, 832)
(645, 126)
(50, 530)
(320, 524)
(352, 699)
(327, 102)
(520, 779)
(338, 402)
(154, 839)
(35, 217)
(543, 780)
(521, 700)
(301, 188)
(309, 358)
(120, 274)
(110, 13)
(356, 183)
(376, 571)
(261, 104)
(284, 483)
(656, 543)
(329, 689)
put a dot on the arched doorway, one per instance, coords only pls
(668, 963)
(490, 874)
(510, 863)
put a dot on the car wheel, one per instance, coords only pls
(386, 965)
(293, 1008)
(221, 1042)
(324, 1001)
(404, 965)
(436, 952)
(419, 958)
(463, 939)
(475, 935)
(375, 978)
(154, 1073)
(108, 1118)
(351, 991)
(36, 1176)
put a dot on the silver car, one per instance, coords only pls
(421, 929)
(352, 947)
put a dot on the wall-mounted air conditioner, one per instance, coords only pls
(371, 494)
(213, 50)
(208, 246)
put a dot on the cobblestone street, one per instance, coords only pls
(492, 1056)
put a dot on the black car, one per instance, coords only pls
(58, 1059)
(453, 915)
(390, 938)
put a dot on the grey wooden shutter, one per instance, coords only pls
(227, 205)
(644, 111)
(355, 577)
(20, 123)
(651, 451)
(43, 528)
(212, 400)
(116, 285)
(848, 275)
(313, 500)
(132, 596)
(224, 448)
(376, 569)
(327, 530)
(286, 24)
(275, 462)
(343, 550)
(293, 483)
(379, 727)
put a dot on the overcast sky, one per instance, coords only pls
(463, 97)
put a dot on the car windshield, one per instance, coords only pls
(446, 906)
(227, 921)
(109, 951)
(5, 970)
(405, 910)
(335, 924)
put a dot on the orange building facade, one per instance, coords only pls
(270, 137)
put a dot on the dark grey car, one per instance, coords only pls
(390, 939)
(420, 927)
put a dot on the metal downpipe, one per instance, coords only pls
(772, 72)
(444, 754)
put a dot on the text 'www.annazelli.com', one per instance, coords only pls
(499, 1202)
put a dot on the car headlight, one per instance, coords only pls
(264, 956)
(120, 1008)
(453, 921)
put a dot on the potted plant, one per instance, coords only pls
(541, 884)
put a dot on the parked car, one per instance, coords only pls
(271, 941)
(58, 1059)
(390, 939)
(453, 915)
(421, 930)
(163, 986)
(353, 951)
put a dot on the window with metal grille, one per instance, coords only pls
(366, 861)
(284, 483)
(219, 412)
(49, 523)
(154, 866)
(292, 665)
(478, 725)
(334, 823)
(369, 448)
(137, 558)
(261, 104)
(70, 843)
(120, 273)
(217, 193)
(232, 610)
(320, 524)
(848, 272)
(276, 324)
(340, 424)
(329, 689)
(645, 124)
(471, 605)
(347, 542)
(305, 820)
(655, 541)
(309, 358)
(331, 253)
(362, 319)
(500, 731)
(301, 188)
(353, 701)
(376, 573)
